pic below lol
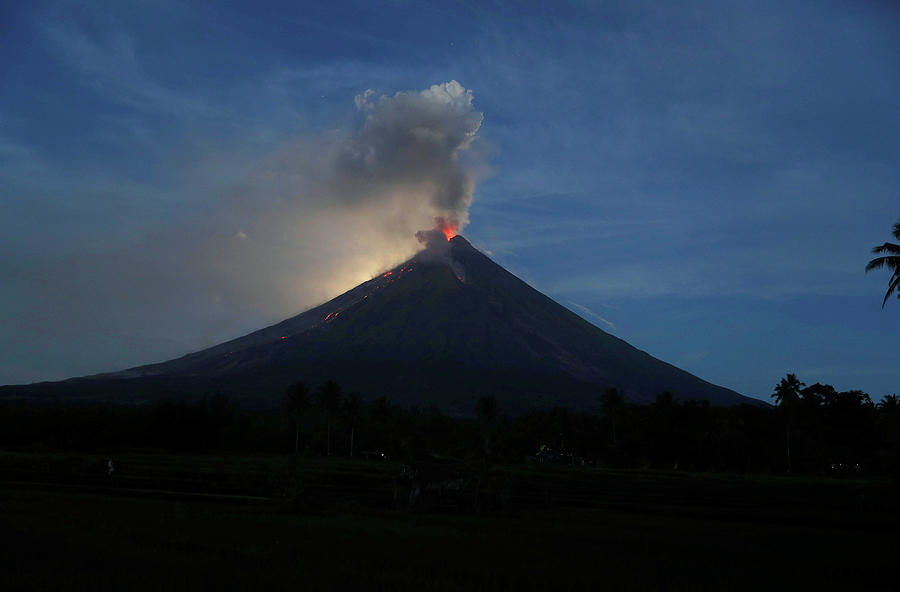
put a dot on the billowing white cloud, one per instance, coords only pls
(409, 149)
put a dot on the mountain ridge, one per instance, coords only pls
(440, 329)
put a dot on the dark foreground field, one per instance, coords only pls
(202, 522)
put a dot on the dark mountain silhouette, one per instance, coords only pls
(440, 330)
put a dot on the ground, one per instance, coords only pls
(165, 521)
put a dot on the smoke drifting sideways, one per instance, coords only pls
(308, 219)
(348, 205)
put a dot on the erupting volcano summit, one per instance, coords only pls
(443, 328)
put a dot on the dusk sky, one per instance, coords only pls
(704, 180)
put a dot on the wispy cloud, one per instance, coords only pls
(112, 67)
(587, 311)
(18, 158)
(651, 281)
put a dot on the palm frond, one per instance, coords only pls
(892, 262)
(887, 248)
(895, 283)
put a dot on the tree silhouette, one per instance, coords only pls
(487, 412)
(786, 395)
(612, 403)
(814, 396)
(892, 261)
(296, 402)
(328, 397)
(351, 409)
(890, 404)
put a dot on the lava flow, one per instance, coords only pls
(389, 277)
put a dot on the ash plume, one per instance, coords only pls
(264, 231)
(433, 240)
(409, 147)
(335, 209)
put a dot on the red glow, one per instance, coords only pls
(387, 274)
(448, 226)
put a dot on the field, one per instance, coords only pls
(165, 521)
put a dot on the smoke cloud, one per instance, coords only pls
(334, 210)
(281, 232)
(410, 145)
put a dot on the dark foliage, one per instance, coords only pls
(890, 258)
(831, 432)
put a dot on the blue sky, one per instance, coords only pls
(702, 179)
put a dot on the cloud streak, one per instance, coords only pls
(113, 68)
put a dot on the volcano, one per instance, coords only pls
(441, 329)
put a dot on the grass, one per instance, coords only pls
(564, 529)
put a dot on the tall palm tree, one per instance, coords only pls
(786, 395)
(487, 411)
(351, 409)
(329, 398)
(891, 261)
(296, 402)
(612, 403)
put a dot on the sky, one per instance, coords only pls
(702, 179)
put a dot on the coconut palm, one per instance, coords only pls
(296, 402)
(786, 395)
(612, 405)
(351, 409)
(892, 261)
(487, 411)
(328, 396)
(890, 403)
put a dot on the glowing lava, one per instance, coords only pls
(387, 278)
(333, 315)
(448, 226)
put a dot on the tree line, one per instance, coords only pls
(811, 429)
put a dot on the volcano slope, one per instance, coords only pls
(441, 329)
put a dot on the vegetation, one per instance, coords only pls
(674, 495)
(786, 395)
(352, 406)
(812, 429)
(296, 402)
(891, 260)
(328, 396)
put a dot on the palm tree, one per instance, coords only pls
(890, 403)
(487, 411)
(296, 402)
(328, 396)
(786, 395)
(891, 261)
(611, 405)
(352, 405)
